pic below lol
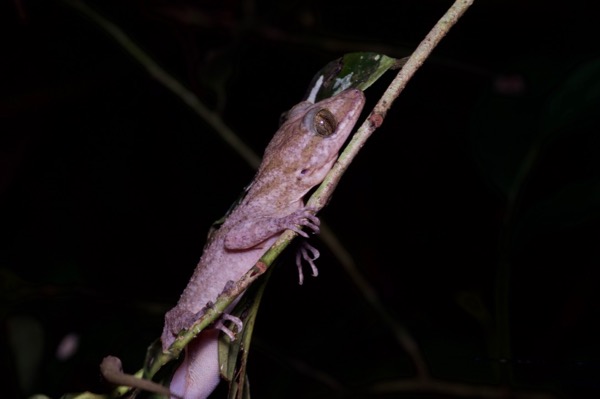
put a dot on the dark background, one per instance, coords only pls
(479, 195)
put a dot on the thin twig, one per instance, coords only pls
(375, 119)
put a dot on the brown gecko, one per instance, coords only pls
(297, 159)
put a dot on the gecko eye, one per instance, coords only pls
(324, 122)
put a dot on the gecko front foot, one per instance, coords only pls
(304, 218)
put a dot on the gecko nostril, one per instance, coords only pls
(304, 171)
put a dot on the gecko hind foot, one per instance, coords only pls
(224, 329)
(309, 254)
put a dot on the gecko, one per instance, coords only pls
(298, 157)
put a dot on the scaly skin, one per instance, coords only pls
(297, 159)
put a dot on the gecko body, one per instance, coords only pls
(297, 159)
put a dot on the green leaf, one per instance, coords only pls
(353, 70)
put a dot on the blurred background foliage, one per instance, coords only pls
(473, 211)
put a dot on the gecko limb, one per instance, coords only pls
(303, 217)
(308, 254)
(224, 329)
(253, 231)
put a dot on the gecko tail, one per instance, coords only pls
(198, 375)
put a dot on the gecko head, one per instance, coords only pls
(307, 144)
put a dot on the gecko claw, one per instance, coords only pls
(298, 231)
